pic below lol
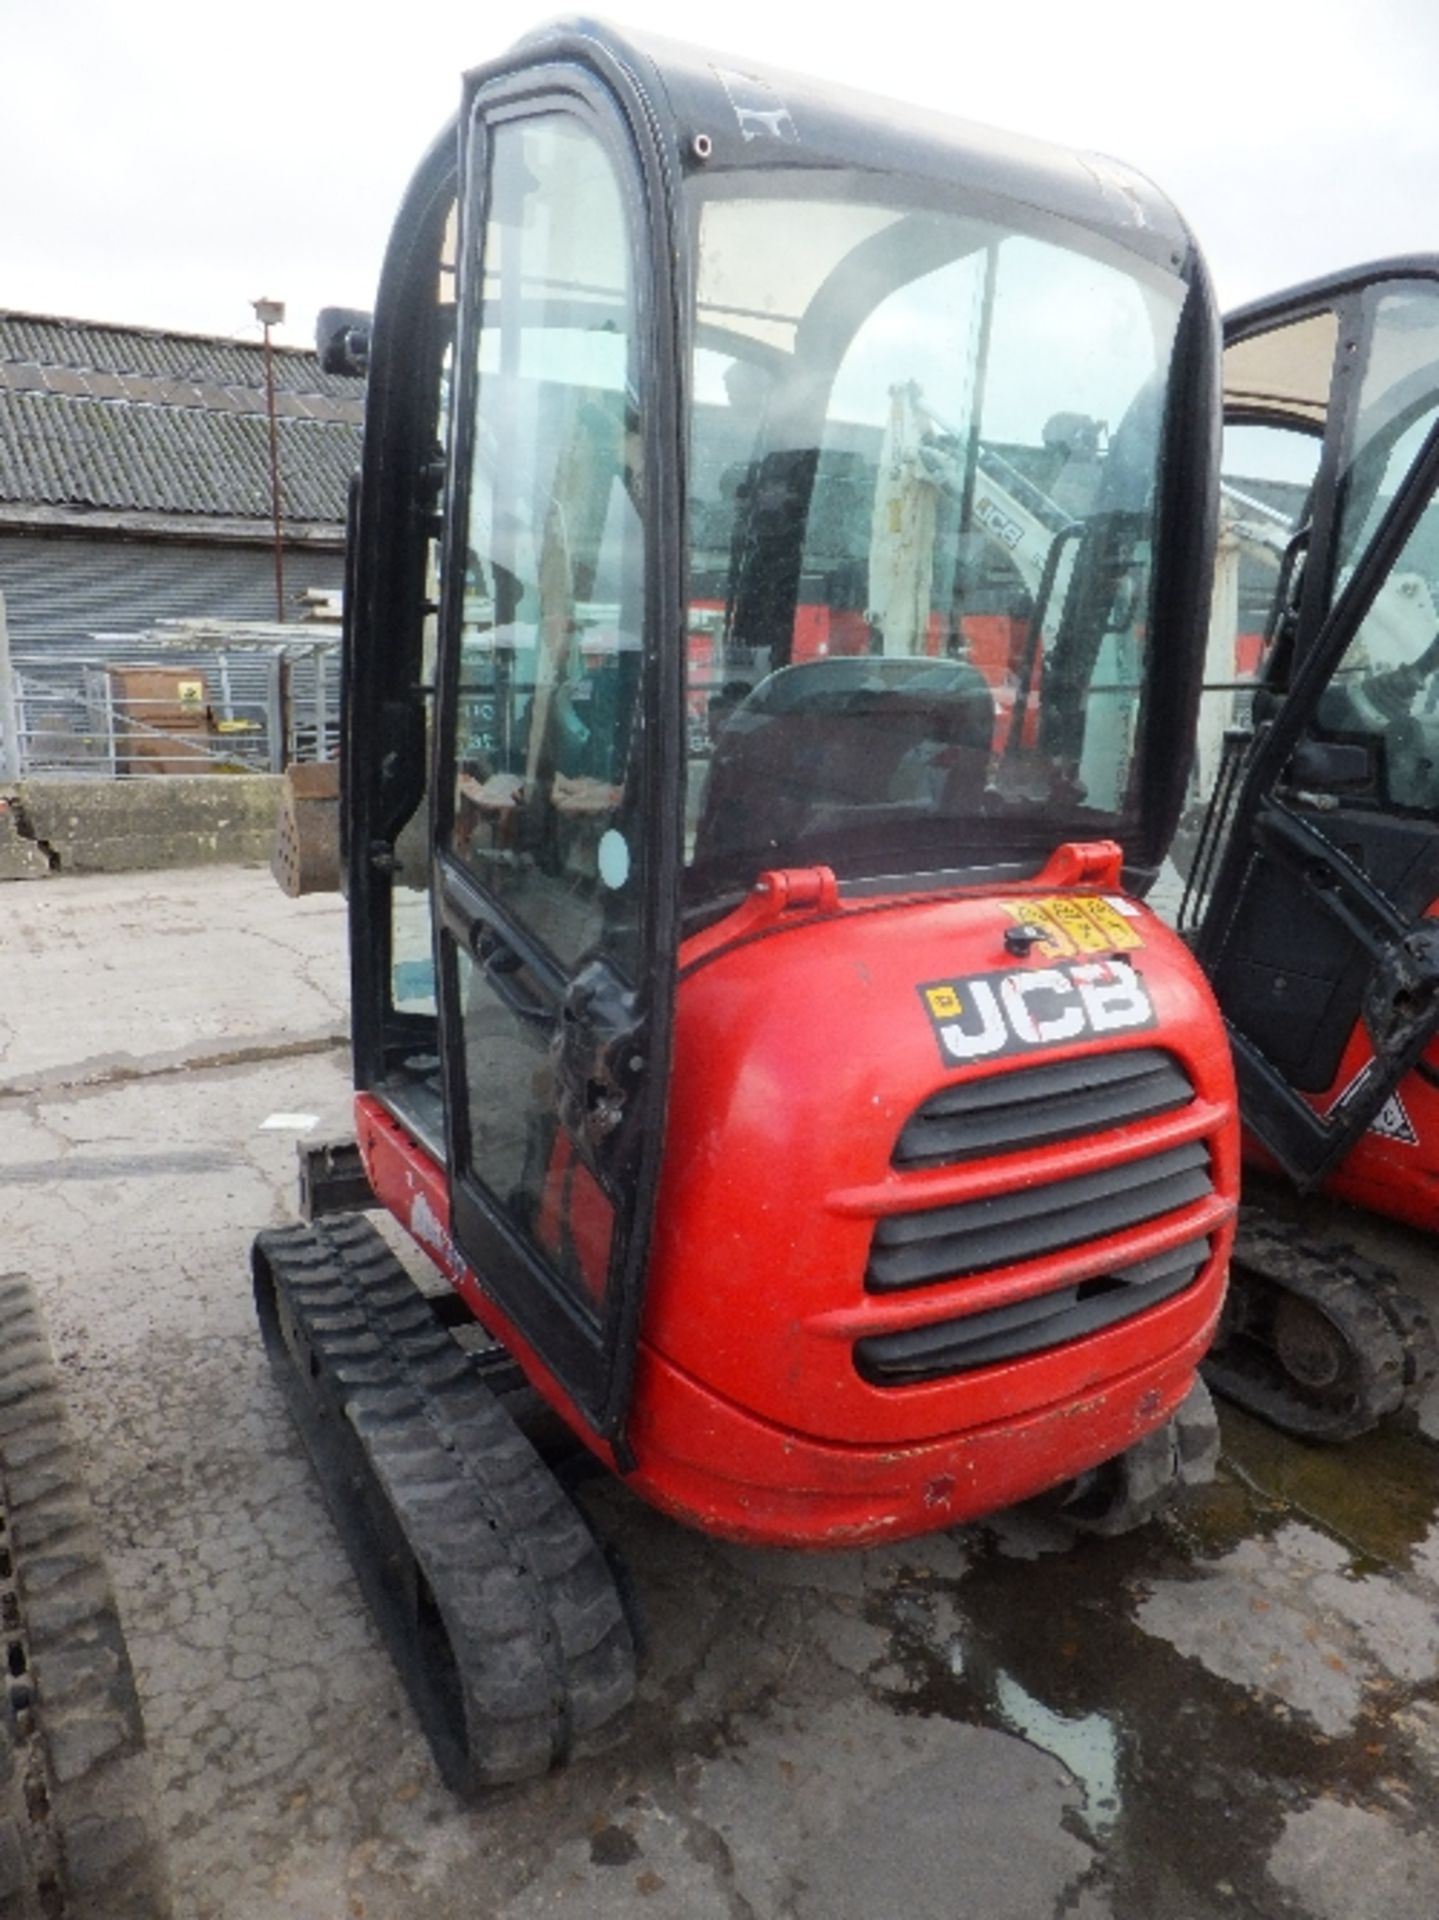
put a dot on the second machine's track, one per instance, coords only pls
(1316, 1339)
(79, 1836)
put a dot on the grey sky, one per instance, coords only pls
(166, 163)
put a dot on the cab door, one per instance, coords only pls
(1320, 858)
(556, 838)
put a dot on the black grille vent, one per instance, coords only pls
(1028, 1326)
(948, 1243)
(1040, 1105)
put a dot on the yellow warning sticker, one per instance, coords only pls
(1075, 924)
(944, 1003)
(1071, 915)
(1118, 928)
(1056, 944)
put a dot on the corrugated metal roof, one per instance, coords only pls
(42, 340)
(133, 420)
(57, 451)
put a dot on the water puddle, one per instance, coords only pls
(1184, 1778)
(1377, 1495)
(1087, 1747)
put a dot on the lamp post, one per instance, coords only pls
(271, 313)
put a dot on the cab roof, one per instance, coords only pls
(727, 116)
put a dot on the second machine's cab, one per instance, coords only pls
(1312, 900)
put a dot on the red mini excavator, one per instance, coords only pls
(772, 647)
(1312, 902)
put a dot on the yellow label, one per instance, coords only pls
(191, 693)
(1070, 913)
(1056, 944)
(944, 1003)
(1117, 930)
(1073, 924)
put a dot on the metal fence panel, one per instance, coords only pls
(257, 702)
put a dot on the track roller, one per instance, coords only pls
(1315, 1339)
(495, 1600)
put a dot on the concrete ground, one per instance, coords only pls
(1236, 1713)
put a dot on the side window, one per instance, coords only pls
(1384, 694)
(1278, 388)
(1376, 479)
(1397, 408)
(1385, 691)
(554, 557)
(1267, 475)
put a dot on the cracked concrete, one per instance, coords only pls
(1236, 1714)
(23, 855)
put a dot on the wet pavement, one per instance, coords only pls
(1234, 1713)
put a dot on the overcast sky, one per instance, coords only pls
(166, 162)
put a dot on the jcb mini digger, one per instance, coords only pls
(1312, 902)
(754, 1019)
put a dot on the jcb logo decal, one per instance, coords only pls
(997, 521)
(992, 1014)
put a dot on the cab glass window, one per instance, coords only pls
(553, 593)
(1267, 474)
(924, 468)
(1384, 695)
(1398, 406)
(412, 966)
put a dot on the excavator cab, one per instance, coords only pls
(771, 640)
(1311, 902)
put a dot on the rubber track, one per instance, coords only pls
(446, 1509)
(78, 1837)
(1389, 1335)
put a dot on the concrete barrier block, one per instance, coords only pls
(120, 826)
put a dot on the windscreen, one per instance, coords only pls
(924, 457)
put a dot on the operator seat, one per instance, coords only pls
(819, 753)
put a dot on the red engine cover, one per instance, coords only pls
(809, 1030)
